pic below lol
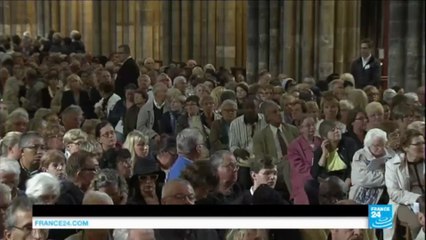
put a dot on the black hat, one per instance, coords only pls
(147, 166)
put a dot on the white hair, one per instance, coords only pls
(179, 79)
(42, 184)
(9, 166)
(188, 139)
(374, 134)
(413, 96)
(5, 192)
(9, 141)
(388, 95)
(228, 102)
(97, 198)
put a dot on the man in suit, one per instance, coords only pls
(366, 69)
(151, 113)
(273, 141)
(129, 71)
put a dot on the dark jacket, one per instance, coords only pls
(70, 194)
(166, 126)
(77, 47)
(130, 119)
(219, 199)
(94, 95)
(368, 75)
(128, 73)
(346, 150)
(46, 99)
(219, 135)
(85, 103)
(117, 113)
(358, 143)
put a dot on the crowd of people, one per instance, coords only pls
(80, 129)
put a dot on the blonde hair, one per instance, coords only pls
(53, 129)
(73, 77)
(90, 145)
(10, 140)
(89, 126)
(52, 156)
(357, 97)
(13, 116)
(74, 136)
(347, 77)
(374, 107)
(133, 138)
(346, 105)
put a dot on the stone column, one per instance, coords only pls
(263, 35)
(252, 41)
(167, 30)
(398, 10)
(326, 39)
(274, 38)
(413, 45)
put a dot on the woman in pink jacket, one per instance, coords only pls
(300, 156)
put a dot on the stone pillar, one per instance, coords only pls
(274, 38)
(252, 41)
(229, 34)
(326, 39)
(406, 44)
(166, 33)
(413, 45)
(263, 35)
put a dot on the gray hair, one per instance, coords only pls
(6, 192)
(412, 96)
(18, 113)
(179, 79)
(188, 139)
(388, 95)
(373, 134)
(27, 137)
(42, 184)
(106, 177)
(10, 166)
(9, 141)
(265, 107)
(217, 158)
(97, 198)
(23, 204)
(157, 87)
(170, 185)
(229, 102)
(71, 109)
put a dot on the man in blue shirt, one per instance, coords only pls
(190, 147)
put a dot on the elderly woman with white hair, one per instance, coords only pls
(368, 169)
(9, 145)
(9, 175)
(43, 189)
(17, 120)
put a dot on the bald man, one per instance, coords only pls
(141, 234)
(97, 198)
(178, 192)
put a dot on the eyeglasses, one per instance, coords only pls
(418, 144)
(94, 169)
(231, 166)
(37, 147)
(180, 196)
(146, 178)
(28, 230)
(108, 134)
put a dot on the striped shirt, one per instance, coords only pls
(241, 134)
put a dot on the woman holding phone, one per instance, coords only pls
(335, 155)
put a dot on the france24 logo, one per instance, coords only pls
(380, 216)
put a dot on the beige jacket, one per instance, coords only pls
(361, 176)
(398, 185)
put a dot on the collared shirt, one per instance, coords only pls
(241, 134)
(365, 61)
(277, 142)
(158, 105)
(251, 190)
(181, 163)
